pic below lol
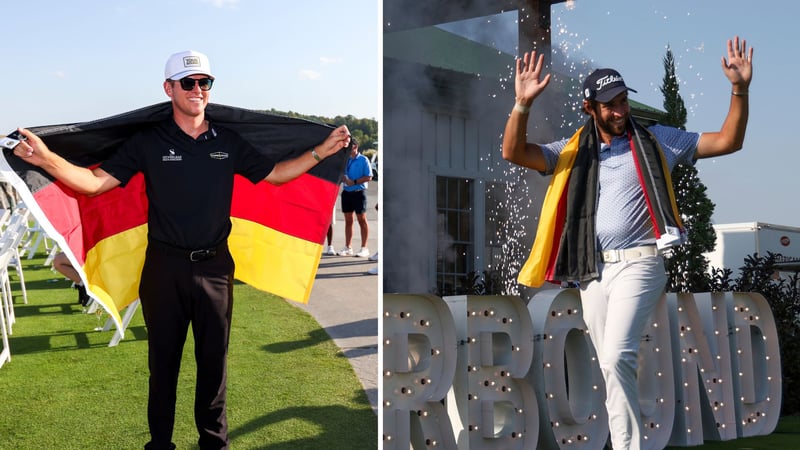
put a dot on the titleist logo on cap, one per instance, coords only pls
(606, 80)
(191, 61)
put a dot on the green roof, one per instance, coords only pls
(435, 47)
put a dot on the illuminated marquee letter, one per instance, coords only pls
(565, 374)
(703, 369)
(500, 405)
(419, 361)
(756, 364)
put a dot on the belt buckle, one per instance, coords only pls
(201, 255)
(610, 256)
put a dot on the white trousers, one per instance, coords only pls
(616, 308)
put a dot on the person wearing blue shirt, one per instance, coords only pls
(354, 200)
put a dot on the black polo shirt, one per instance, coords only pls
(189, 182)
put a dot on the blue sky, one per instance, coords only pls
(760, 182)
(81, 60)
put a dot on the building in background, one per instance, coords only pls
(736, 241)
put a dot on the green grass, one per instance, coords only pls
(785, 436)
(289, 386)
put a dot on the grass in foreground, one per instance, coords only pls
(785, 436)
(289, 386)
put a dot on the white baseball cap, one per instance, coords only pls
(189, 62)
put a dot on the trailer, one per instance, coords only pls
(735, 241)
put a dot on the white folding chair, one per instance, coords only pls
(130, 311)
(51, 254)
(14, 233)
(8, 318)
(5, 352)
(5, 216)
(33, 239)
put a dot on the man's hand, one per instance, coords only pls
(80, 179)
(32, 150)
(337, 140)
(527, 82)
(739, 65)
(288, 170)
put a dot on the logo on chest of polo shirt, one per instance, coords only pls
(172, 156)
(218, 155)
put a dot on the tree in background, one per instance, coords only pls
(365, 131)
(687, 268)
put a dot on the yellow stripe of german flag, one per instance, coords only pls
(273, 261)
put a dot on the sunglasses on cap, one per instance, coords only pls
(187, 84)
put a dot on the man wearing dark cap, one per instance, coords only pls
(188, 163)
(610, 212)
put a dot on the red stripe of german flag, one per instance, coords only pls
(277, 234)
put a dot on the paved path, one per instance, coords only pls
(344, 300)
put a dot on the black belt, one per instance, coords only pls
(201, 254)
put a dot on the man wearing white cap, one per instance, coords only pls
(188, 163)
(610, 212)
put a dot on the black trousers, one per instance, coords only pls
(174, 293)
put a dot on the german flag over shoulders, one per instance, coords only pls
(277, 234)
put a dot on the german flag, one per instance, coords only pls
(277, 233)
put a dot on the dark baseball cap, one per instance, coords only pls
(603, 85)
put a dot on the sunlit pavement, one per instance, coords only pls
(344, 300)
